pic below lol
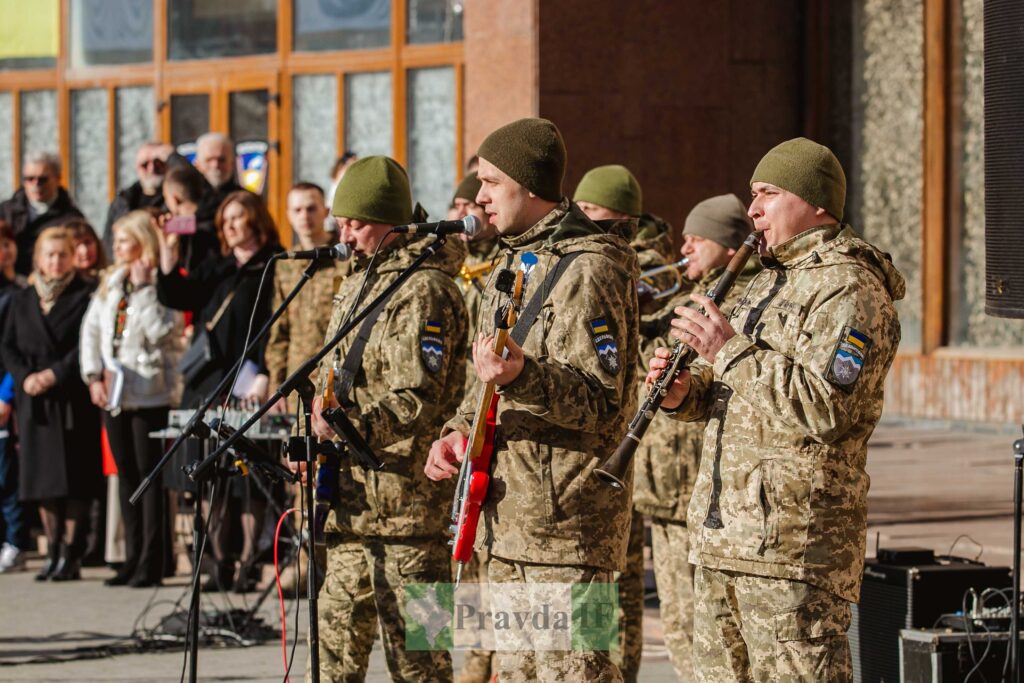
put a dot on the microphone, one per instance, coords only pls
(469, 225)
(340, 251)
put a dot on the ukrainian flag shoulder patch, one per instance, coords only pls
(604, 344)
(848, 358)
(432, 345)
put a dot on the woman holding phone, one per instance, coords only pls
(222, 294)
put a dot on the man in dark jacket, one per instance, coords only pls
(40, 203)
(150, 165)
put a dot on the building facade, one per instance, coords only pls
(688, 94)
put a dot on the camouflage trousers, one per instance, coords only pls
(366, 580)
(631, 603)
(592, 666)
(478, 665)
(670, 546)
(754, 628)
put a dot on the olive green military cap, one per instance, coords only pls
(722, 219)
(808, 170)
(376, 190)
(612, 187)
(532, 153)
(468, 188)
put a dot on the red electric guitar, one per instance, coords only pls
(474, 475)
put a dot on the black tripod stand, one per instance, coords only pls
(196, 428)
(299, 382)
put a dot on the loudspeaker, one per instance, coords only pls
(895, 597)
(1004, 158)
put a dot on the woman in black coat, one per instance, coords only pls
(221, 293)
(59, 428)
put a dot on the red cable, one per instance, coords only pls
(280, 591)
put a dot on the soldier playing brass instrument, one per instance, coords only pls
(791, 388)
(666, 462)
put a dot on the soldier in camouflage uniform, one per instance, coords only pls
(565, 395)
(613, 193)
(295, 337)
(483, 250)
(791, 388)
(666, 463)
(298, 334)
(410, 378)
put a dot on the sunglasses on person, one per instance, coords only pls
(41, 179)
(152, 163)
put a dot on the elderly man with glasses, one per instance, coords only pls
(39, 203)
(150, 166)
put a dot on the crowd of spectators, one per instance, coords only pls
(101, 335)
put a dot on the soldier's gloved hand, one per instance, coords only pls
(449, 449)
(678, 390)
(490, 367)
(706, 333)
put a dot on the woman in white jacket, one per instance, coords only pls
(130, 347)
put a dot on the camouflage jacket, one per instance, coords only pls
(411, 378)
(654, 233)
(299, 333)
(665, 467)
(568, 409)
(790, 403)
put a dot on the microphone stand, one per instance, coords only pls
(197, 428)
(299, 381)
(189, 429)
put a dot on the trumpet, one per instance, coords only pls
(474, 272)
(615, 469)
(647, 287)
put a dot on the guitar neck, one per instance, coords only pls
(476, 440)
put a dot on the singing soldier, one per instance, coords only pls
(566, 392)
(397, 385)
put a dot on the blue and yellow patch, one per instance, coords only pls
(432, 345)
(604, 344)
(848, 358)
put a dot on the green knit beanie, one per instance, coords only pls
(808, 170)
(532, 153)
(468, 188)
(612, 187)
(722, 219)
(375, 190)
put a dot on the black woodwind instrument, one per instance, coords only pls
(614, 470)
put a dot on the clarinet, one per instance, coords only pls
(614, 470)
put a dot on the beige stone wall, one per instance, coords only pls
(501, 66)
(887, 128)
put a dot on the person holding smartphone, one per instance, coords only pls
(223, 294)
(196, 240)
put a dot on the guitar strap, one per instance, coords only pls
(532, 310)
